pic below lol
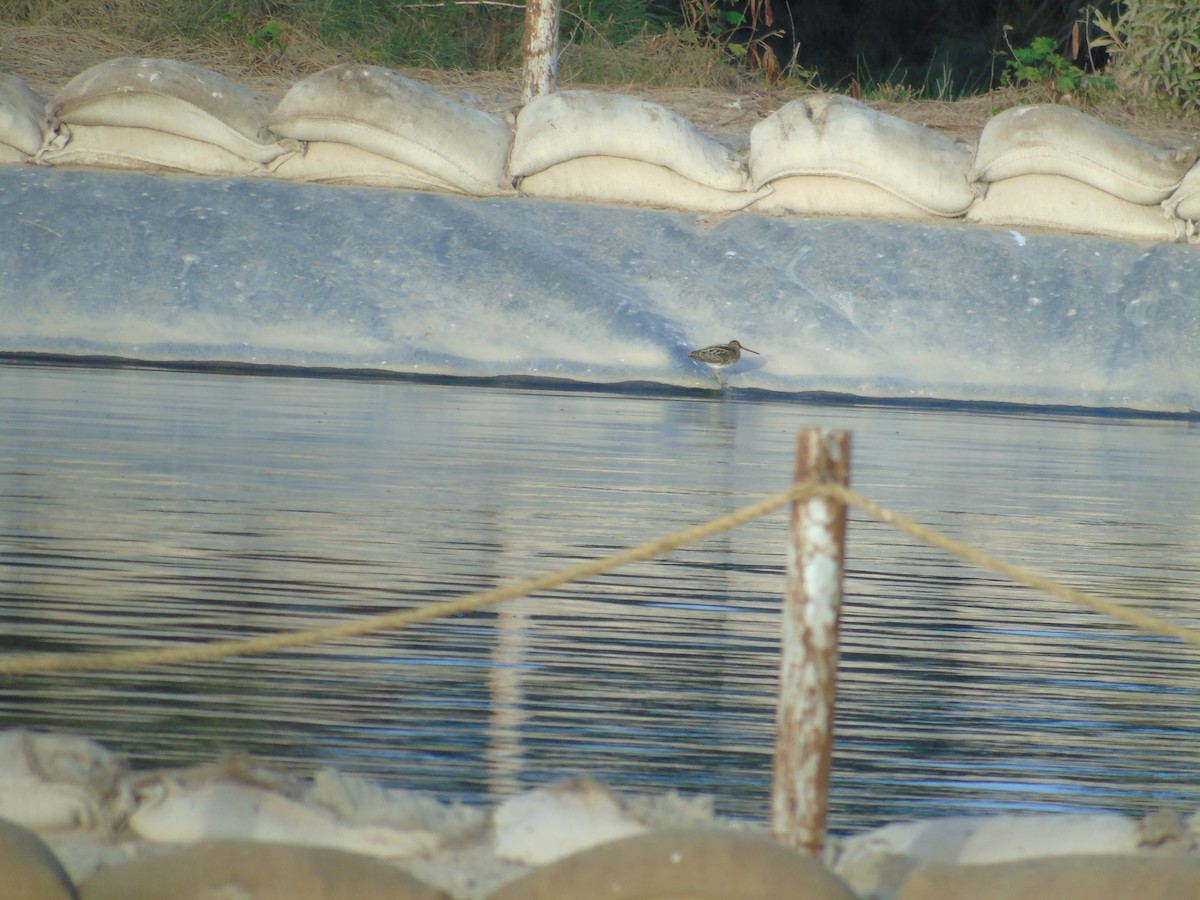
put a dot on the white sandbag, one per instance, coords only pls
(1057, 140)
(1185, 201)
(1064, 204)
(554, 128)
(827, 195)
(21, 113)
(115, 147)
(171, 97)
(827, 134)
(384, 113)
(610, 179)
(331, 163)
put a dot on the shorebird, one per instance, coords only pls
(718, 356)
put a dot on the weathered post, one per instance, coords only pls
(541, 48)
(808, 666)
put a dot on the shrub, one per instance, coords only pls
(1155, 48)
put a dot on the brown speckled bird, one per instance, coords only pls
(719, 356)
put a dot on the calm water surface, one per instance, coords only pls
(139, 508)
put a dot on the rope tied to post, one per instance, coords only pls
(49, 663)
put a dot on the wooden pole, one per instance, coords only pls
(540, 48)
(808, 665)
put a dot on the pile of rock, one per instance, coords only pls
(75, 822)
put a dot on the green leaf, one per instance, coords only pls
(1044, 47)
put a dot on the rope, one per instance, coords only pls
(1028, 577)
(139, 659)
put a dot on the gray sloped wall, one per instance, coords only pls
(255, 271)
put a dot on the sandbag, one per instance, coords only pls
(171, 97)
(1057, 140)
(827, 195)
(827, 134)
(31, 870)
(682, 864)
(610, 179)
(116, 147)
(255, 871)
(554, 128)
(21, 114)
(1064, 204)
(1185, 201)
(331, 163)
(395, 117)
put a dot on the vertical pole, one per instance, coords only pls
(808, 667)
(541, 48)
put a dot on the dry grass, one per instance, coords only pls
(671, 59)
(48, 56)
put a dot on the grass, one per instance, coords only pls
(603, 41)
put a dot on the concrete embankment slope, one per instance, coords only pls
(249, 270)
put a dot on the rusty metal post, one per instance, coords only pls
(541, 48)
(808, 667)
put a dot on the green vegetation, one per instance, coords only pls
(1040, 65)
(268, 39)
(437, 34)
(1155, 47)
(1154, 44)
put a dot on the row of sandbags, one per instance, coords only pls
(1044, 167)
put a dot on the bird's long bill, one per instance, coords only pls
(748, 350)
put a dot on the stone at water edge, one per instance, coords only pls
(546, 824)
(54, 782)
(181, 810)
(879, 860)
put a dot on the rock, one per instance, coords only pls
(30, 870)
(1166, 831)
(232, 870)
(547, 824)
(682, 864)
(59, 782)
(360, 802)
(1122, 877)
(672, 810)
(178, 810)
(875, 863)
